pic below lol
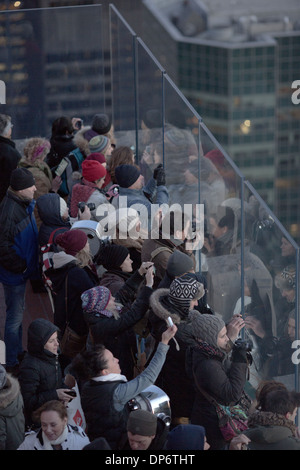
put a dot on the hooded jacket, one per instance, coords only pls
(40, 372)
(48, 207)
(12, 422)
(9, 159)
(173, 378)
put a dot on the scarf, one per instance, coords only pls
(110, 378)
(48, 444)
(266, 418)
(209, 349)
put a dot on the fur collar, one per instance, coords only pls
(10, 392)
(266, 418)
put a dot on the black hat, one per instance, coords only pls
(126, 175)
(101, 123)
(21, 178)
(112, 256)
(142, 422)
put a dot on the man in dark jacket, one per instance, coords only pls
(18, 256)
(9, 155)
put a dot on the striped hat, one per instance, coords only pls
(183, 290)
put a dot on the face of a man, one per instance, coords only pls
(138, 442)
(28, 193)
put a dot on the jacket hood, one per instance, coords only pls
(39, 331)
(48, 206)
(163, 309)
(11, 401)
(61, 259)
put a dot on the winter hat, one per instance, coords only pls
(126, 175)
(21, 178)
(2, 376)
(112, 256)
(98, 144)
(186, 437)
(286, 279)
(101, 123)
(206, 327)
(95, 300)
(99, 157)
(183, 290)
(63, 206)
(72, 241)
(92, 170)
(142, 422)
(179, 263)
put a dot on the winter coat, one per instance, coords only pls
(270, 431)
(43, 181)
(18, 240)
(66, 273)
(40, 371)
(12, 421)
(173, 378)
(117, 334)
(9, 159)
(89, 193)
(222, 380)
(76, 440)
(61, 145)
(48, 207)
(114, 279)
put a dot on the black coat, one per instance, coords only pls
(40, 372)
(48, 206)
(223, 380)
(118, 335)
(9, 159)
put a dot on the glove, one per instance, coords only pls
(159, 175)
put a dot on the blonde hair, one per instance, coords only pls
(84, 257)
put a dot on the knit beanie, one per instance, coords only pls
(99, 157)
(21, 178)
(179, 263)
(186, 437)
(2, 376)
(72, 241)
(206, 327)
(126, 175)
(183, 290)
(63, 206)
(101, 123)
(92, 170)
(96, 299)
(142, 422)
(98, 144)
(112, 256)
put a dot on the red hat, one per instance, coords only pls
(96, 156)
(92, 170)
(72, 241)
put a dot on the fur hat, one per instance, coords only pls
(142, 422)
(2, 376)
(126, 175)
(21, 178)
(206, 327)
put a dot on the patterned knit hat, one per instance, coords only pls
(183, 290)
(206, 327)
(98, 144)
(95, 300)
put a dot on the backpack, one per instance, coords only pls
(73, 161)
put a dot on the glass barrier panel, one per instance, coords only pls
(221, 194)
(50, 69)
(150, 110)
(123, 79)
(271, 286)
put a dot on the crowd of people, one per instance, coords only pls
(136, 313)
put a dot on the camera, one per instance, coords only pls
(91, 206)
(243, 345)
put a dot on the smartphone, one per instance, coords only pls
(170, 321)
(61, 167)
(72, 393)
